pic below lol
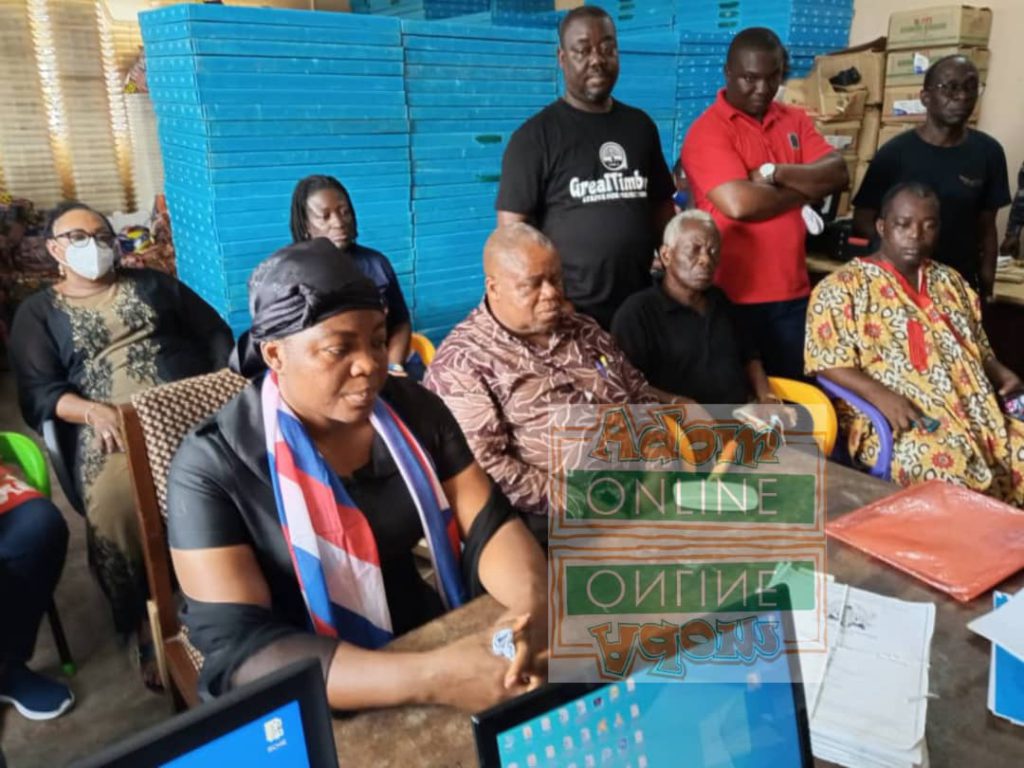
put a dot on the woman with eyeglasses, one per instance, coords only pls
(91, 341)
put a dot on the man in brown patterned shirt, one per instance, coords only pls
(519, 359)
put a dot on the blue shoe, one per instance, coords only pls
(34, 696)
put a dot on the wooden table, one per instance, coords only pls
(961, 732)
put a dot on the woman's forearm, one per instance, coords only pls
(364, 679)
(74, 408)
(513, 569)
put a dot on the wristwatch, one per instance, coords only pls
(768, 172)
(396, 368)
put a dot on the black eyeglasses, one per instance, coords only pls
(80, 237)
(952, 90)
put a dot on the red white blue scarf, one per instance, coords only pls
(333, 548)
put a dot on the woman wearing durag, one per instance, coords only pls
(87, 344)
(293, 513)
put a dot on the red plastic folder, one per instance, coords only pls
(956, 540)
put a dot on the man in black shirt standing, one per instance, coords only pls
(965, 167)
(588, 171)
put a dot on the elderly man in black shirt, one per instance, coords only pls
(681, 334)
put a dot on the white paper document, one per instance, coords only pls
(870, 706)
(1004, 626)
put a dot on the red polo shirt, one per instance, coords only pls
(762, 260)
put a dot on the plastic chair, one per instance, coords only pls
(882, 467)
(20, 450)
(821, 410)
(59, 438)
(423, 347)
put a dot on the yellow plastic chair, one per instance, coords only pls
(819, 406)
(423, 347)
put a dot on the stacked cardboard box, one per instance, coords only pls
(916, 40)
(843, 93)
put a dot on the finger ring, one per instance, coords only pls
(503, 644)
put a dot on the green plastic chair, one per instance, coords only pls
(18, 449)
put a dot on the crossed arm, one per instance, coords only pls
(754, 199)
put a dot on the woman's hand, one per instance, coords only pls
(530, 634)
(467, 675)
(105, 423)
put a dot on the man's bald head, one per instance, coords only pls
(507, 243)
(523, 277)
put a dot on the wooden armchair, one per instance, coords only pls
(154, 425)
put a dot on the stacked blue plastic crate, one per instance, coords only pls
(647, 79)
(699, 75)
(249, 101)
(469, 87)
(807, 27)
(422, 9)
(526, 13)
(404, 9)
(639, 15)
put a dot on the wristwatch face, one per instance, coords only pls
(768, 171)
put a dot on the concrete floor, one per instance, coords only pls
(110, 699)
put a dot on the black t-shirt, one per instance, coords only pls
(968, 178)
(592, 182)
(220, 494)
(701, 356)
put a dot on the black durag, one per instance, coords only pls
(296, 288)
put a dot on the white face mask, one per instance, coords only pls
(90, 260)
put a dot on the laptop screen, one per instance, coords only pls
(651, 724)
(274, 739)
(712, 718)
(279, 721)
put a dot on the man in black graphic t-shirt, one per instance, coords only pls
(589, 172)
(965, 167)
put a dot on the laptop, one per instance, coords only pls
(642, 722)
(280, 720)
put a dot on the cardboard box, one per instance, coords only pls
(794, 92)
(869, 128)
(842, 136)
(944, 25)
(891, 131)
(850, 158)
(870, 65)
(843, 208)
(908, 67)
(823, 102)
(904, 103)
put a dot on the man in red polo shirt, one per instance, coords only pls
(754, 164)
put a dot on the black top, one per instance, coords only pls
(683, 352)
(189, 336)
(968, 178)
(375, 265)
(592, 182)
(220, 494)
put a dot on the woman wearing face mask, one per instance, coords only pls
(91, 341)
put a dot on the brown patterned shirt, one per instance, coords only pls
(505, 392)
